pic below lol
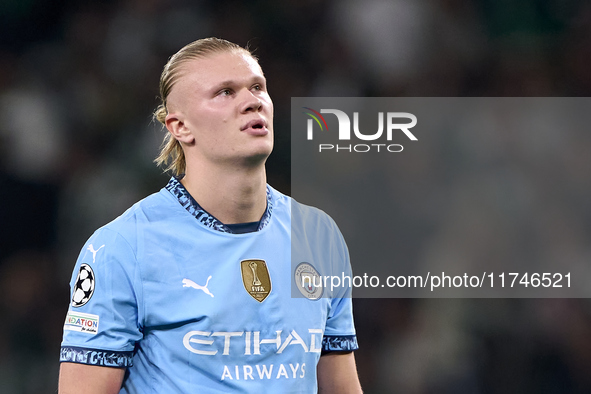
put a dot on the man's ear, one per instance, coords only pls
(175, 124)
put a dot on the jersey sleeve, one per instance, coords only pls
(339, 334)
(102, 325)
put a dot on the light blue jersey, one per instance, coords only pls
(186, 305)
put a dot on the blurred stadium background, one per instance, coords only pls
(78, 84)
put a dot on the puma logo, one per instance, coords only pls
(190, 283)
(94, 252)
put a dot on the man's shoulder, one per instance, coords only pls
(310, 215)
(277, 195)
(151, 209)
(295, 206)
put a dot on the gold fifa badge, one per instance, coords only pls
(256, 278)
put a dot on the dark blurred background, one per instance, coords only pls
(78, 84)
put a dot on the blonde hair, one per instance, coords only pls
(171, 154)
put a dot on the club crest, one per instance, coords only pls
(308, 281)
(256, 278)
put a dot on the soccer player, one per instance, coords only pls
(189, 291)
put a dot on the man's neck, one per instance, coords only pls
(230, 195)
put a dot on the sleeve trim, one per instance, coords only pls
(339, 343)
(103, 358)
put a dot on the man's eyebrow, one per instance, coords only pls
(229, 82)
(233, 82)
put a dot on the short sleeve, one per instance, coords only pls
(339, 334)
(102, 325)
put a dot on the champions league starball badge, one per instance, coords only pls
(83, 287)
(308, 281)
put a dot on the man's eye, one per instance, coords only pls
(225, 92)
(257, 87)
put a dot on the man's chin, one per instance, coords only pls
(252, 159)
(257, 159)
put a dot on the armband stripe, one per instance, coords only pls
(339, 343)
(103, 358)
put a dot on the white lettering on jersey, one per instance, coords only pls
(293, 339)
(248, 372)
(264, 372)
(94, 252)
(188, 339)
(247, 344)
(190, 283)
(227, 336)
(203, 342)
(313, 347)
(258, 341)
(281, 372)
(226, 373)
(294, 370)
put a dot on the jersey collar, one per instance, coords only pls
(176, 188)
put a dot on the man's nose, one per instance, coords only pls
(250, 102)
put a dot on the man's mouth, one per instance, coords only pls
(255, 124)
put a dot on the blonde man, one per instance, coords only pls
(190, 289)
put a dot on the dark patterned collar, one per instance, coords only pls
(176, 188)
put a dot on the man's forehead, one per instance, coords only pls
(222, 66)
